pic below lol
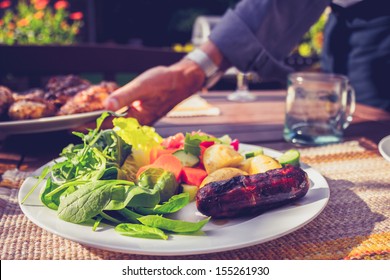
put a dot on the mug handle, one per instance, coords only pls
(350, 105)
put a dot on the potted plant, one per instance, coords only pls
(38, 22)
(307, 54)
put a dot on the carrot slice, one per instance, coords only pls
(193, 176)
(155, 153)
(170, 163)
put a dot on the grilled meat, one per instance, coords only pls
(28, 109)
(6, 100)
(35, 94)
(60, 89)
(88, 100)
(251, 194)
(63, 95)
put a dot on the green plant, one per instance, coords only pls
(312, 41)
(36, 22)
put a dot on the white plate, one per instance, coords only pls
(384, 147)
(47, 124)
(218, 235)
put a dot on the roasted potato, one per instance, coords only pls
(222, 174)
(218, 156)
(260, 164)
(245, 165)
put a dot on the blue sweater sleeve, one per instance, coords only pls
(258, 34)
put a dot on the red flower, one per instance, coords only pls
(61, 5)
(41, 4)
(5, 4)
(76, 16)
(1, 22)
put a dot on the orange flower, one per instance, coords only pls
(39, 15)
(40, 4)
(11, 25)
(64, 25)
(61, 5)
(23, 22)
(76, 16)
(5, 4)
(318, 40)
(1, 22)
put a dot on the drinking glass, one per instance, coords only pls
(319, 107)
(242, 93)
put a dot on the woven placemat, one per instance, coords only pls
(354, 225)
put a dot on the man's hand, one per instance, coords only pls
(155, 92)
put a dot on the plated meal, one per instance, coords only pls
(130, 184)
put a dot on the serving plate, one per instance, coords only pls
(218, 235)
(47, 124)
(384, 147)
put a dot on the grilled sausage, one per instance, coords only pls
(252, 194)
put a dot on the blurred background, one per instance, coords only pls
(164, 27)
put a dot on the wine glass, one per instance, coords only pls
(242, 93)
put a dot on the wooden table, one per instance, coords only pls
(260, 123)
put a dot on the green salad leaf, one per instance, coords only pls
(142, 231)
(94, 197)
(130, 216)
(172, 225)
(161, 180)
(193, 140)
(141, 138)
(174, 204)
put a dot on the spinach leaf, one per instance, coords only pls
(140, 231)
(172, 225)
(160, 180)
(112, 173)
(85, 203)
(174, 204)
(110, 218)
(92, 198)
(130, 216)
(144, 197)
(121, 195)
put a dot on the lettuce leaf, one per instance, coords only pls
(141, 138)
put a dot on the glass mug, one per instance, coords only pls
(319, 107)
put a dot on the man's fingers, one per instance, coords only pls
(123, 96)
(111, 104)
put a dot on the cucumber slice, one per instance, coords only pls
(290, 157)
(254, 153)
(186, 159)
(191, 190)
(225, 139)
